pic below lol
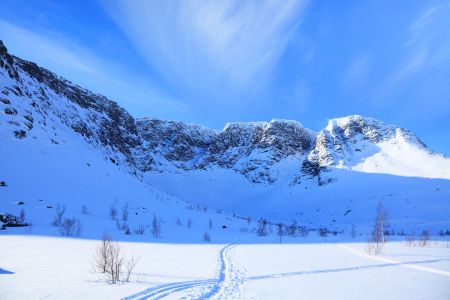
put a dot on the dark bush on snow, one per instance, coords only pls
(9, 220)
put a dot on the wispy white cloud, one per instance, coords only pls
(426, 43)
(356, 74)
(300, 96)
(423, 66)
(210, 47)
(76, 63)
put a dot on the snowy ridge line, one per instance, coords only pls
(411, 265)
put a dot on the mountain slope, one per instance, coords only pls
(63, 143)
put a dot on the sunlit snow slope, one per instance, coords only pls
(63, 144)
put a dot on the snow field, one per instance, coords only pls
(59, 268)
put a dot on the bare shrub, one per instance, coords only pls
(109, 260)
(70, 227)
(101, 255)
(379, 228)
(373, 247)
(280, 231)
(113, 212)
(22, 214)
(302, 231)
(123, 226)
(140, 229)
(323, 232)
(60, 211)
(210, 224)
(156, 227)
(292, 229)
(129, 267)
(377, 239)
(410, 240)
(125, 212)
(424, 238)
(115, 262)
(178, 222)
(353, 231)
(189, 223)
(206, 237)
(84, 210)
(262, 228)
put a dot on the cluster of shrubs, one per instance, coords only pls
(67, 226)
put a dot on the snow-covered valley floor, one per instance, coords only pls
(38, 267)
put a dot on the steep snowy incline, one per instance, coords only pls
(368, 145)
(32, 97)
(268, 153)
(64, 144)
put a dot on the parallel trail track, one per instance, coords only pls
(230, 278)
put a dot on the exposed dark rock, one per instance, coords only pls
(20, 134)
(5, 101)
(10, 111)
(9, 220)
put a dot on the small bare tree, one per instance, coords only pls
(178, 222)
(113, 212)
(377, 239)
(101, 255)
(323, 232)
(70, 227)
(210, 223)
(410, 240)
(292, 229)
(84, 210)
(125, 212)
(280, 231)
(353, 231)
(302, 231)
(60, 211)
(189, 222)
(156, 227)
(115, 262)
(206, 237)
(129, 267)
(109, 260)
(262, 228)
(424, 238)
(380, 222)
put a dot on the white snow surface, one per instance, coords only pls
(362, 162)
(398, 157)
(59, 268)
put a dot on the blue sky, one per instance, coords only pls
(210, 62)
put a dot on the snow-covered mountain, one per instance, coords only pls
(259, 168)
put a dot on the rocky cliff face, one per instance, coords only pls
(31, 96)
(41, 94)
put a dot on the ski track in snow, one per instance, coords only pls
(228, 285)
(231, 278)
(411, 265)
